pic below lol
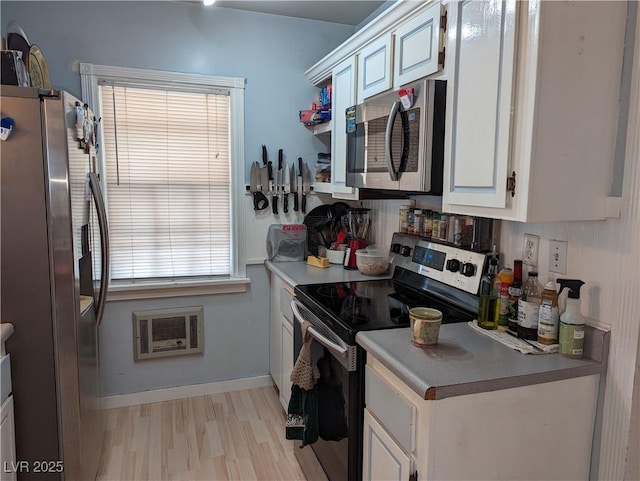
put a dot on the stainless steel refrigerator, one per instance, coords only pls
(54, 256)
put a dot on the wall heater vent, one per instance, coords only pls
(168, 332)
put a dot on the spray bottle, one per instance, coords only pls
(572, 322)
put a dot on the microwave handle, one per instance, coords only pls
(387, 140)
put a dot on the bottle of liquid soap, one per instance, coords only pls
(529, 308)
(487, 312)
(548, 316)
(572, 322)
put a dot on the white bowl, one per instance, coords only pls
(335, 257)
(372, 262)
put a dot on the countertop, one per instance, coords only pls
(467, 362)
(294, 273)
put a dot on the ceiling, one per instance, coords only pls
(348, 12)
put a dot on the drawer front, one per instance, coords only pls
(392, 409)
(5, 378)
(286, 296)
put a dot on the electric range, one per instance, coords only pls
(425, 273)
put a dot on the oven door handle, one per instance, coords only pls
(329, 344)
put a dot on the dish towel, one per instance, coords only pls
(302, 412)
(521, 345)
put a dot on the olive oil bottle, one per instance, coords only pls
(489, 297)
(529, 308)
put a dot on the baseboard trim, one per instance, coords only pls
(181, 392)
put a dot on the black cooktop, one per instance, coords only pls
(349, 307)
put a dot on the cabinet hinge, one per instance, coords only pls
(511, 184)
(413, 476)
(441, 56)
(443, 21)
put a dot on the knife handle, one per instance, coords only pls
(285, 203)
(304, 203)
(295, 202)
(274, 203)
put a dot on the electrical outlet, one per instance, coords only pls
(558, 256)
(530, 250)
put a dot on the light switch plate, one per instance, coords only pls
(558, 256)
(530, 250)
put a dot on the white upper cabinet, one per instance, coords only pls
(479, 96)
(532, 93)
(417, 46)
(374, 67)
(344, 95)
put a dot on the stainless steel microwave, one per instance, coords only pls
(397, 148)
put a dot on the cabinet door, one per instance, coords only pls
(275, 336)
(7, 441)
(374, 68)
(417, 45)
(286, 362)
(481, 48)
(382, 458)
(343, 96)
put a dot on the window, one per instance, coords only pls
(170, 150)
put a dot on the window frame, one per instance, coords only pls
(91, 75)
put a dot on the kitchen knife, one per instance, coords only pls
(294, 186)
(278, 184)
(300, 180)
(286, 188)
(274, 197)
(260, 202)
(306, 186)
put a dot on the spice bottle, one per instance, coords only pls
(548, 315)
(444, 227)
(505, 277)
(529, 308)
(514, 296)
(488, 297)
(404, 218)
(435, 231)
(417, 221)
(427, 223)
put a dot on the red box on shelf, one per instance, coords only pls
(314, 116)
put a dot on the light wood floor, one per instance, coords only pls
(237, 435)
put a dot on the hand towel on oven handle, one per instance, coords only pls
(302, 412)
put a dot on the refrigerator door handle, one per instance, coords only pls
(104, 244)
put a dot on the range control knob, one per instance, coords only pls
(395, 248)
(468, 269)
(453, 265)
(406, 251)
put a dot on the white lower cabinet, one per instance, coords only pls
(280, 336)
(383, 459)
(286, 361)
(540, 431)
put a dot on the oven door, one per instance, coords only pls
(340, 392)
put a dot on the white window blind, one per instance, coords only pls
(167, 161)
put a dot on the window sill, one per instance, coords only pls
(126, 291)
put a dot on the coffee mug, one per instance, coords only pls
(425, 326)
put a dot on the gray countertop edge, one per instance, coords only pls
(299, 272)
(417, 382)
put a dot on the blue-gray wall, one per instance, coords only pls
(272, 53)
